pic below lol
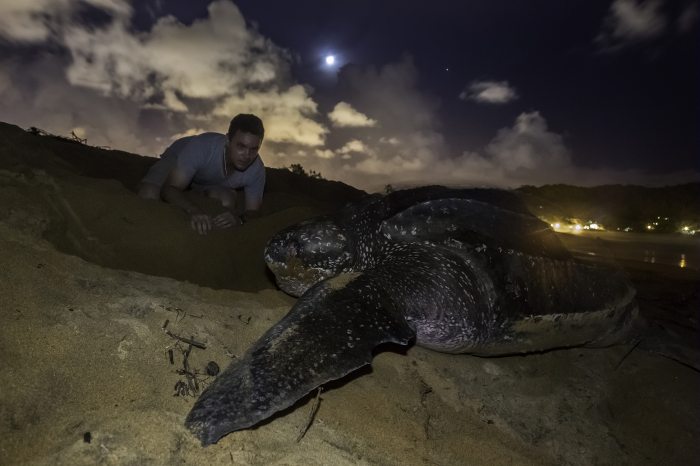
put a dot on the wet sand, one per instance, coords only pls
(89, 275)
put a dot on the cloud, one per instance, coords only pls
(409, 148)
(213, 57)
(392, 141)
(409, 139)
(171, 79)
(344, 115)
(137, 90)
(40, 96)
(287, 114)
(489, 92)
(526, 152)
(528, 145)
(354, 145)
(32, 21)
(324, 153)
(629, 21)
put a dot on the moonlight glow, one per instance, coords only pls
(330, 60)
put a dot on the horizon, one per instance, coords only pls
(483, 95)
(381, 190)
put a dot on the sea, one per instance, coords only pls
(665, 250)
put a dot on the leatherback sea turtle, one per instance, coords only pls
(459, 271)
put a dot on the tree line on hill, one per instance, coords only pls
(665, 209)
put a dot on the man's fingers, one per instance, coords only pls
(224, 224)
(226, 220)
(201, 224)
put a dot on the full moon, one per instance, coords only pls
(330, 59)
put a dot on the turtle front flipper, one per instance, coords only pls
(330, 332)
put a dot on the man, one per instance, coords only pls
(215, 164)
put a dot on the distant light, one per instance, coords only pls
(577, 227)
(593, 226)
(682, 264)
(330, 60)
(686, 228)
(557, 225)
(650, 227)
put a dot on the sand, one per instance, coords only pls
(89, 274)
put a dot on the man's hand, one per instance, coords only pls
(227, 220)
(201, 223)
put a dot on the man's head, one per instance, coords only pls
(245, 135)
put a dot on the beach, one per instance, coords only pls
(96, 285)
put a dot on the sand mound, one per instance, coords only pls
(88, 208)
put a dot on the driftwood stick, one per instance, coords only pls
(628, 353)
(185, 356)
(189, 341)
(312, 414)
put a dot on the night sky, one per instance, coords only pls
(462, 93)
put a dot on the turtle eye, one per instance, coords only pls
(294, 248)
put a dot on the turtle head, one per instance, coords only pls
(302, 255)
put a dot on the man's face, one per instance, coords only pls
(243, 149)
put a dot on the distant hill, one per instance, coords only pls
(618, 206)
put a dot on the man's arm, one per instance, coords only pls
(172, 193)
(252, 205)
(230, 219)
(254, 194)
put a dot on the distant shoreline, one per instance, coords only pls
(658, 250)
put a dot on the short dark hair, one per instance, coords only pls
(247, 123)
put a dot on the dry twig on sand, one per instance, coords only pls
(312, 414)
(189, 341)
